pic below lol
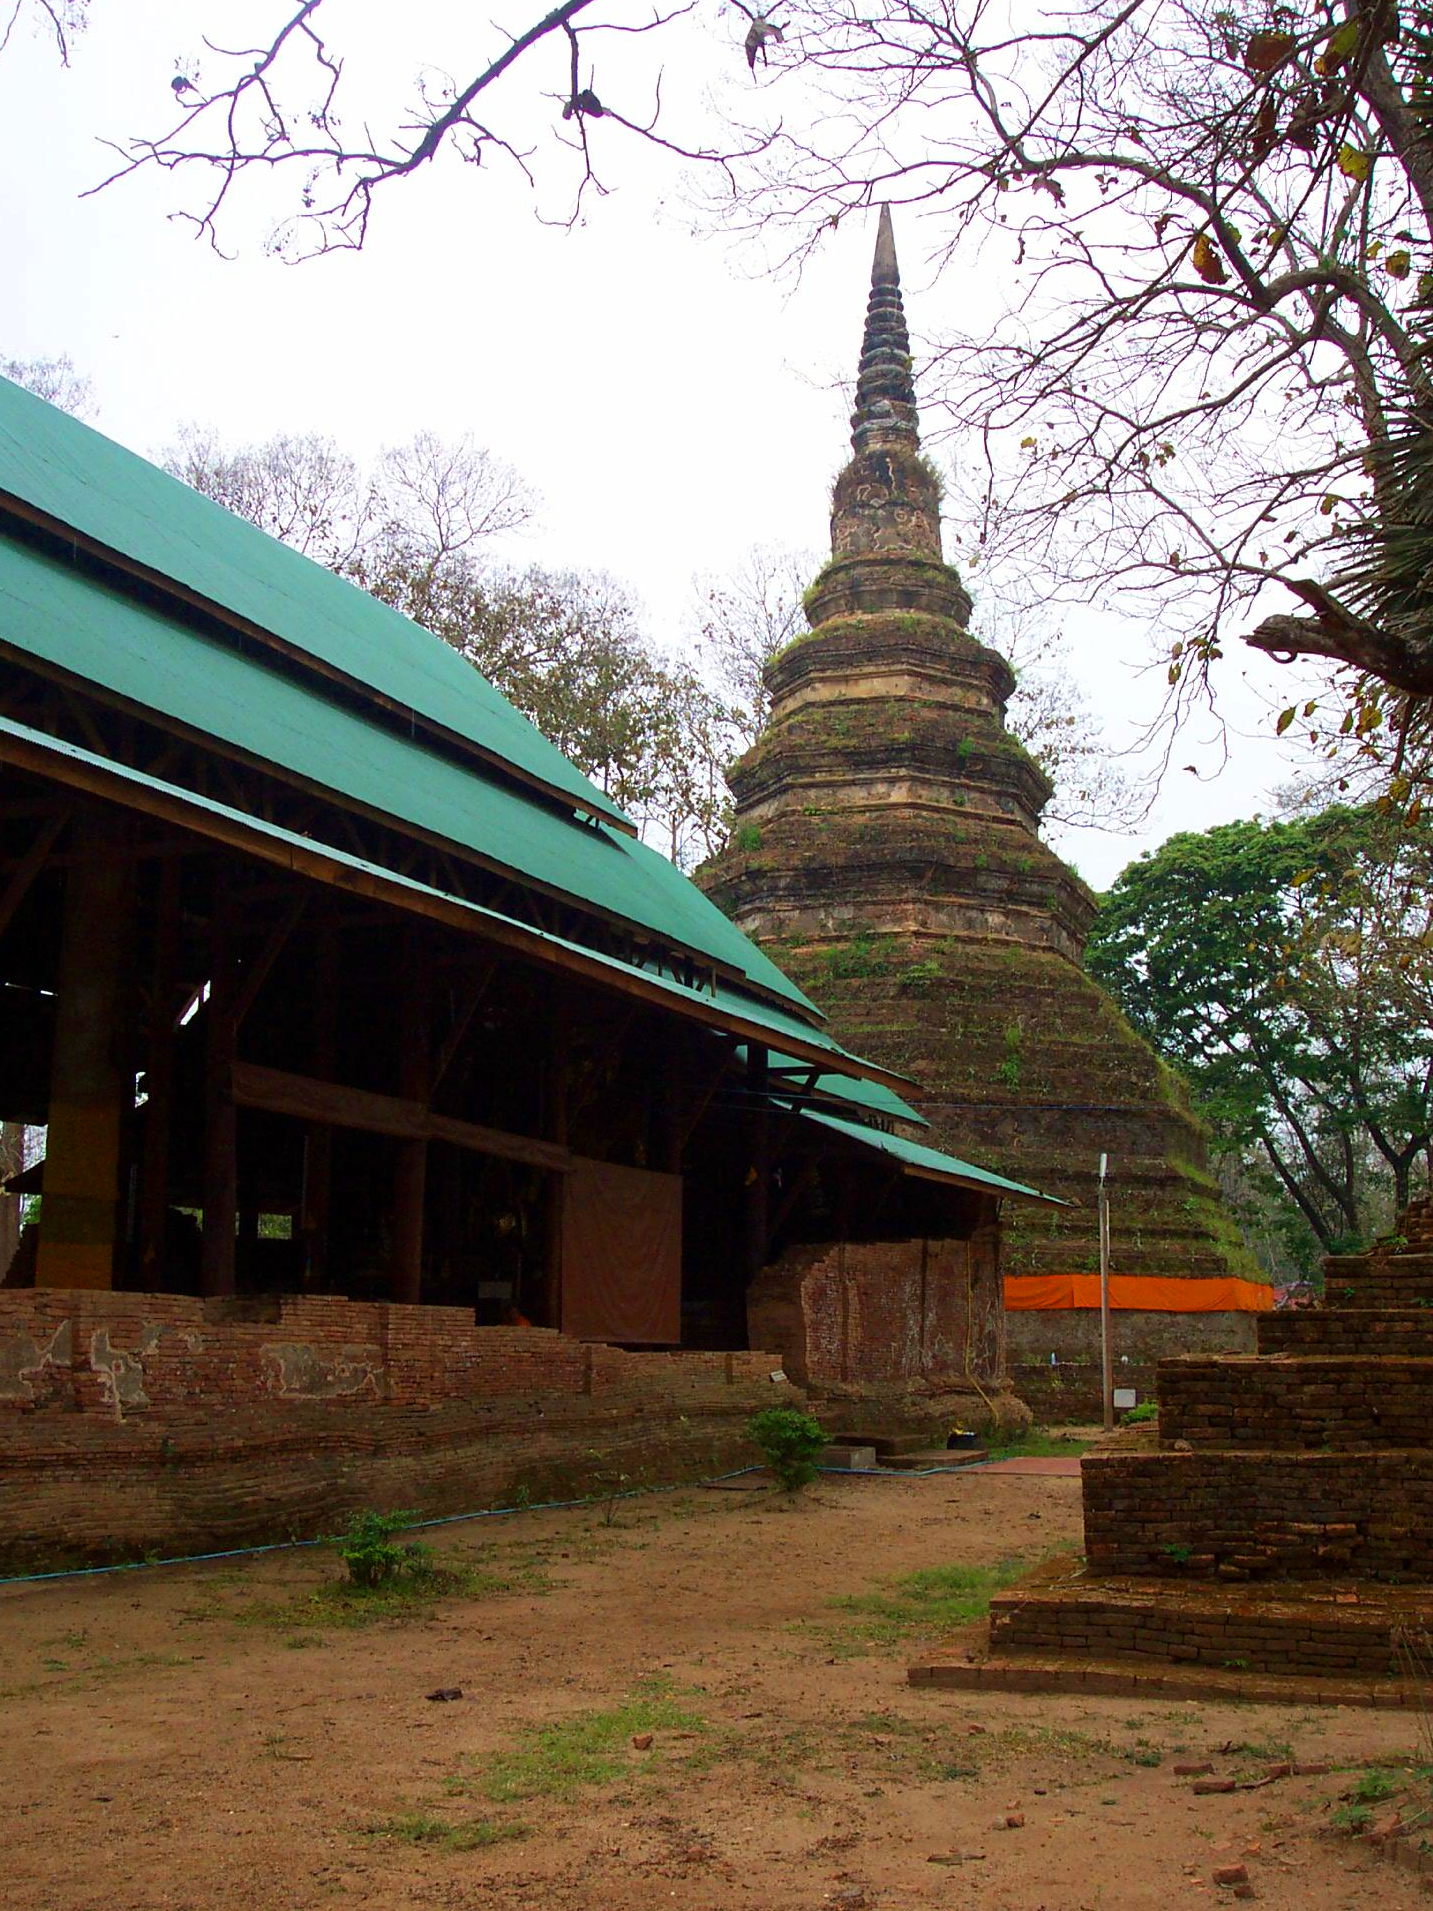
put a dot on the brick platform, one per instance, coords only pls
(1278, 1524)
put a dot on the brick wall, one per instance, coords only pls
(149, 1422)
(1317, 1403)
(80, 1488)
(123, 1356)
(1236, 1515)
(884, 1313)
(1379, 1279)
(1318, 1330)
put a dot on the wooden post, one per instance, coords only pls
(159, 1079)
(91, 1092)
(221, 1155)
(559, 1080)
(415, 1074)
(318, 1135)
(758, 1180)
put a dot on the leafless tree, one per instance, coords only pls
(1215, 227)
(53, 379)
(429, 499)
(305, 104)
(59, 20)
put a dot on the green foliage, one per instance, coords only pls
(1137, 1416)
(789, 1442)
(372, 1559)
(1008, 1070)
(1287, 967)
(746, 836)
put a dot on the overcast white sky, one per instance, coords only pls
(673, 403)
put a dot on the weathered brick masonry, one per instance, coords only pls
(1313, 1402)
(143, 1422)
(1242, 1515)
(1281, 1520)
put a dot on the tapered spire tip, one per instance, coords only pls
(885, 395)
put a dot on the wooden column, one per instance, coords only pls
(91, 1091)
(221, 1158)
(559, 1080)
(318, 1135)
(758, 1181)
(415, 1075)
(159, 1079)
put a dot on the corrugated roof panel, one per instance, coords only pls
(921, 1160)
(752, 1019)
(68, 619)
(71, 472)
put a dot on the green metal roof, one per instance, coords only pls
(74, 474)
(876, 1097)
(929, 1162)
(53, 612)
(748, 1017)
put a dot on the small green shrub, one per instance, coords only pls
(372, 1559)
(789, 1443)
(1137, 1416)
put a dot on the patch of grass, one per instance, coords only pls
(421, 1828)
(1037, 1443)
(594, 1748)
(343, 1605)
(932, 1600)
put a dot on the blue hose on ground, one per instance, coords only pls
(451, 1519)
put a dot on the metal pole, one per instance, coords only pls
(1107, 1378)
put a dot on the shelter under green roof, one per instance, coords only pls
(73, 476)
(71, 620)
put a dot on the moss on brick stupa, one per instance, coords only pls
(886, 852)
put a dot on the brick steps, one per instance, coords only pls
(1405, 1331)
(1336, 1629)
(1279, 1543)
(1148, 1680)
(1311, 1402)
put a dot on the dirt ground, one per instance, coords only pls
(203, 1738)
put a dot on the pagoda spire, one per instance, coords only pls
(885, 411)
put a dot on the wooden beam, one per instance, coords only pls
(31, 863)
(468, 1003)
(281, 1093)
(253, 978)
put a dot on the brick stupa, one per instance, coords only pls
(886, 852)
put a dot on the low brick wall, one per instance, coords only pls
(1313, 1403)
(123, 1356)
(1364, 1330)
(78, 1489)
(142, 1423)
(1251, 1515)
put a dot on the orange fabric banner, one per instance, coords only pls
(1155, 1293)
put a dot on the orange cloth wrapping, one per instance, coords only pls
(1155, 1293)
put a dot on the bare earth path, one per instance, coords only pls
(160, 1750)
